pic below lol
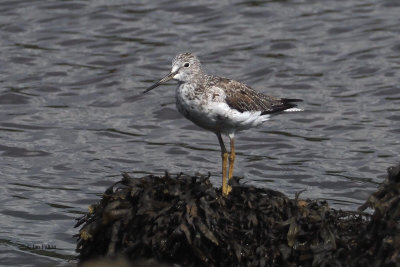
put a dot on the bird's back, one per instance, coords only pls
(243, 98)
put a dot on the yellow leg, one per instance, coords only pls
(224, 156)
(232, 157)
(225, 187)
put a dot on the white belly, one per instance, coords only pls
(211, 112)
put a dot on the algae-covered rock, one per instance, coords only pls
(379, 241)
(185, 221)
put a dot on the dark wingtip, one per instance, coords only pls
(289, 100)
(286, 103)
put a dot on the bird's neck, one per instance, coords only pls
(195, 79)
(193, 86)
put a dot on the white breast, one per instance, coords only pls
(210, 111)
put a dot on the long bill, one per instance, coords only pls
(162, 81)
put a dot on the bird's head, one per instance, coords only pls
(185, 67)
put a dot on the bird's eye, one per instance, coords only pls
(186, 65)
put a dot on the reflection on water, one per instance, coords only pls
(72, 119)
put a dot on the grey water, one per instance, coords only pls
(71, 118)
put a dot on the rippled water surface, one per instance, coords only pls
(71, 119)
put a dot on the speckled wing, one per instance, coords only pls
(243, 98)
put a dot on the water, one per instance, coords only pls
(71, 120)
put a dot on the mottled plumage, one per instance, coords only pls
(243, 98)
(221, 105)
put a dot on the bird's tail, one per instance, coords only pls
(292, 107)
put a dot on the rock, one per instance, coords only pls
(185, 221)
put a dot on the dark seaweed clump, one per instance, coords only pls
(185, 221)
(379, 240)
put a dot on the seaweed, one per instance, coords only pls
(184, 220)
